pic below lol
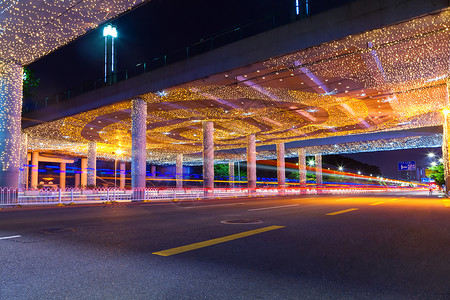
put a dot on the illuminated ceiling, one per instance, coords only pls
(30, 29)
(391, 78)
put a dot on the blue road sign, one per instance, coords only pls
(427, 180)
(406, 165)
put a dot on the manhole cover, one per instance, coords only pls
(241, 221)
(58, 230)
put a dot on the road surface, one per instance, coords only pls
(371, 246)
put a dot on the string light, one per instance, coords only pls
(32, 29)
(385, 79)
(10, 115)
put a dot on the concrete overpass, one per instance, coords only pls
(338, 23)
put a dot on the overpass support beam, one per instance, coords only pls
(34, 169)
(139, 142)
(231, 173)
(92, 164)
(281, 169)
(445, 143)
(179, 171)
(77, 180)
(83, 175)
(153, 171)
(122, 175)
(208, 157)
(302, 167)
(251, 163)
(23, 175)
(318, 159)
(10, 119)
(62, 175)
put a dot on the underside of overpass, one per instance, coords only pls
(387, 86)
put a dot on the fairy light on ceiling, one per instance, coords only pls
(31, 29)
(386, 79)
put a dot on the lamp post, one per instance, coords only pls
(110, 33)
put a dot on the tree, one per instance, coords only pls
(221, 170)
(29, 82)
(437, 173)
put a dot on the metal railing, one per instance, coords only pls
(12, 196)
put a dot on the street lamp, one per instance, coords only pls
(446, 111)
(110, 33)
(341, 168)
(430, 155)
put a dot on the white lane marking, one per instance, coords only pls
(272, 207)
(215, 205)
(10, 237)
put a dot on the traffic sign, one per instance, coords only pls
(406, 165)
(427, 180)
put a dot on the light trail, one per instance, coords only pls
(10, 237)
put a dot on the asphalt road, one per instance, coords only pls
(391, 246)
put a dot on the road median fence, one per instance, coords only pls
(14, 196)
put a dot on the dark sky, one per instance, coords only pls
(163, 26)
(152, 30)
(388, 160)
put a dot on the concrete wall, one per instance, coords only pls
(350, 19)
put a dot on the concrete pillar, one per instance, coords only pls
(302, 167)
(445, 144)
(208, 157)
(153, 175)
(231, 173)
(122, 175)
(179, 170)
(83, 176)
(138, 142)
(153, 171)
(10, 122)
(251, 162)
(34, 169)
(62, 175)
(92, 164)
(77, 180)
(318, 159)
(281, 169)
(23, 169)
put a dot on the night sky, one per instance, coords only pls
(152, 30)
(163, 26)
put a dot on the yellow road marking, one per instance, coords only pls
(207, 243)
(376, 203)
(341, 211)
(446, 203)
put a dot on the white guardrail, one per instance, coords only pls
(12, 196)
